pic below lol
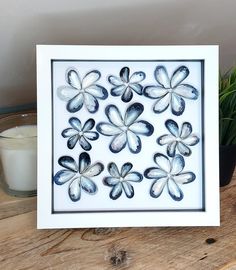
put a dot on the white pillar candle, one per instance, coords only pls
(19, 157)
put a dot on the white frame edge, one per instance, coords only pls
(209, 217)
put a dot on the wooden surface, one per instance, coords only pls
(12, 206)
(24, 247)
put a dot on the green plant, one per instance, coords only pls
(227, 107)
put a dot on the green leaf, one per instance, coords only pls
(227, 107)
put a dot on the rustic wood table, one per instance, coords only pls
(22, 246)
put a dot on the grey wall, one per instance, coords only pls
(25, 23)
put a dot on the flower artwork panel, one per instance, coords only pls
(127, 136)
(125, 114)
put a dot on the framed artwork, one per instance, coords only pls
(127, 136)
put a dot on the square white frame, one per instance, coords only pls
(210, 216)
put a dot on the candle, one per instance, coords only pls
(18, 150)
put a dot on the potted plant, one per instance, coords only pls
(227, 121)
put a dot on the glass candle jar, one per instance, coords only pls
(18, 154)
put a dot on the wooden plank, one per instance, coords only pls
(12, 206)
(24, 247)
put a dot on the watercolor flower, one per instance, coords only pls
(168, 173)
(80, 133)
(170, 91)
(125, 130)
(126, 84)
(120, 181)
(79, 92)
(79, 175)
(179, 139)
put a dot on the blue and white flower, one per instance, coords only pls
(179, 139)
(168, 173)
(79, 175)
(126, 84)
(120, 181)
(170, 91)
(80, 133)
(125, 130)
(79, 92)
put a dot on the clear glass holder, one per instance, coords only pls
(18, 154)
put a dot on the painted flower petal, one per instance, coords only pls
(118, 90)
(90, 78)
(157, 187)
(132, 113)
(73, 79)
(134, 142)
(162, 161)
(162, 77)
(191, 140)
(108, 129)
(174, 190)
(75, 190)
(113, 170)
(91, 135)
(84, 161)
(110, 181)
(118, 143)
(88, 125)
(162, 103)
(114, 80)
(177, 104)
(154, 173)
(171, 149)
(94, 170)
(184, 178)
(183, 149)
(142, 127)
(186, 91)
(178, 76)
(134, 177)
(136, 88)
(116, 191)
(127, 95)
(126, 167)
(66, 93)
(128, 189)
(88, 185)
(91, 103)
(154, 92)
(68, 132)
(177, 165)
(137, 77)
(97, 91)
(68, 163)
(72, 141)
(165, 139)
(186, 130)
(124, 74)
(75, 123)
(114, 116)
(76, 103)
(63, 176)
(173, 127)
(85, 144)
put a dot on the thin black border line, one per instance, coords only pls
(202, 61)
(52, 132)
(203, 134)
(123, 60)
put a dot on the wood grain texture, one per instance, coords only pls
(24, 247)
(11, 206)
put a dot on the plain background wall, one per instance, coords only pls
(25, 23)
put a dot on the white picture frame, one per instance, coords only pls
(59, 203)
